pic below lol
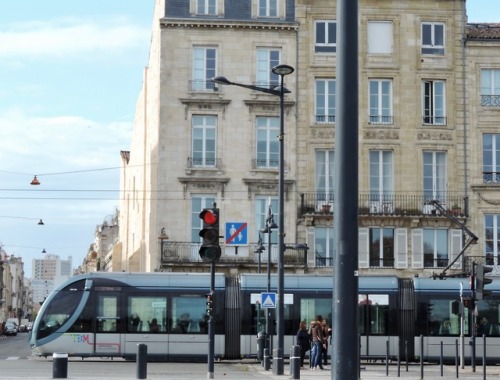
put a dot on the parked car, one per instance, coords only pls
(29, 327)
(10, 328)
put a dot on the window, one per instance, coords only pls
(268, 8)
(380, 38)
(433, 38)
(189, 315)
(434, 176)
(490, 88)
(325, 36)
(435, 248)
(435, 317)
(434, 111)
(206, 7)
(492, 239)
(374, 314)
(380, 101)
(325, 247)
(267, 143)
(204, 141)
(491, 158)
(382, 247)
(325, 100)
(204, 68)
(266, 60)
(381, 182)
(198, 203)
(324, 178)
(261, 215)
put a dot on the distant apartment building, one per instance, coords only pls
(428, 102)
(47, 273)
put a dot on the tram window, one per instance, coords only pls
(189, 315)
(108, 316)
(60, 308)
(146, 314)
(488, 317)
(438, 313)
(311, 307)
(373, 314)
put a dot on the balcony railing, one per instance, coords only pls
(179, 253)
(392, 205)
(325, 119)
(491, 177)
(490, 100)
(381, 119)
(434, 120)
(203, 163)
(203, 86)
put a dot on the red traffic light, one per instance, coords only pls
(209, 217)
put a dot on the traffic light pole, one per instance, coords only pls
(211, 328)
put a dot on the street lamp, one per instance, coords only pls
(282, 71)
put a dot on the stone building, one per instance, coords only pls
(196, 142)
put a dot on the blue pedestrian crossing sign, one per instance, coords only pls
(236, 233)
(268, 300)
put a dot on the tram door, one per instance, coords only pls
(107, 324)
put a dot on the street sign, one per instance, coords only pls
(236, 233)
(268, 300)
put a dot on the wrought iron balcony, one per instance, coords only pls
(490, 100)
(203, 163)
(387, 205)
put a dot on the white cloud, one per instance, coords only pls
(71, 38)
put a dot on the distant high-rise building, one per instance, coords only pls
(47, 273)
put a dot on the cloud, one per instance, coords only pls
(67, 39)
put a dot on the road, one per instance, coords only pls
(17, 363)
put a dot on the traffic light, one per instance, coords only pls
(210, 298)
(210, 250)
(481, 281)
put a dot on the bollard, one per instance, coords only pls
(261, 343)
(142, 361)
(267, 359)
(295, 363)
(59, 366)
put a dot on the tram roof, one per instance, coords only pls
(449, 284)
(159, 279)
(319, 282)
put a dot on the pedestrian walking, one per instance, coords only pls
(303, 340)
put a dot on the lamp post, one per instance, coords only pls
(163, 236)
(281, 71)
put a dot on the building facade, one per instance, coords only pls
(423, 194)
(47, 273)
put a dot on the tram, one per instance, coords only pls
(107, 314)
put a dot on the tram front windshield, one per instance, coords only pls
(60, 308)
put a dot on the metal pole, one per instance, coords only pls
(278, 361)
(346, 354)
(268, 310)
(211, 326)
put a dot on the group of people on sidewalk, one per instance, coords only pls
(314, 339)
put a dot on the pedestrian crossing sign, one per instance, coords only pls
(268, 300)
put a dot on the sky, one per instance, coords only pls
(70, 76)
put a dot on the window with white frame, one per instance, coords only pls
(264, 205)
(381, 182)
(435, 248)
(434, 176)
(268, 8)
(325, 101)
(204, 140)
(325, 163)
(267, 144)
(433, 102)
(325, 33)
(490, 87)
(266, 60)
(206, 7)
(491, 158)
(380, 37)
(204, 68)
(381, 247)
(198, 203)
(380, 99)
(433, 39)
(325, 247)
(492, 239)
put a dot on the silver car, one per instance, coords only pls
(10, 329)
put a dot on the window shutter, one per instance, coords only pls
(401, 248)
(417, 248)
(311, 244)
(363, 257)
(456, 247)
